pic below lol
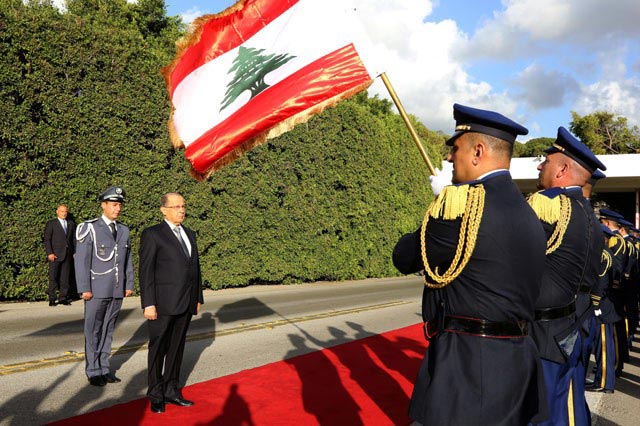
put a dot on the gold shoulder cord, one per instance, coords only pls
(471, 218)
(606, 257)
(561, 225)
(612, 244)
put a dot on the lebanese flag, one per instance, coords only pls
(255, 70)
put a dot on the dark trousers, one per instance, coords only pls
(167, 336)
(622, 345)
(59, 278)
(605, 353)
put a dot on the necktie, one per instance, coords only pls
(64, 226)
(112, 225)
(176, 230)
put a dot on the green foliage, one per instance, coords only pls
(532, 148)
(84, 107)
(606, 133)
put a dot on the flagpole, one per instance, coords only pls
(404, 116)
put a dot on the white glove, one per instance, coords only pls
(597, 312)
(442, 178)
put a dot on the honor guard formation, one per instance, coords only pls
(519, 292)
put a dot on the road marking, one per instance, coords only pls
(79, 356)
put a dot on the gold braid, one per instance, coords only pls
(561, 225)
(471, 219)
(606, 257)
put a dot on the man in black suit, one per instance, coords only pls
(171, 292)
(60, 246)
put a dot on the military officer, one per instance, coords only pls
(586, 299)
(605, 313)
(630, 280)
(574, 248)
(104, 275)
(482, 249)
(620, 253)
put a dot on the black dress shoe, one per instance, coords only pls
(179, 401)
(52, 303)
(111, 378)
(157, 407)
(97, 381)
(66, 302)
(603, 390)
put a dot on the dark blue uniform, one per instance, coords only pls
(606, 316)
(465, 378)
(557, 329)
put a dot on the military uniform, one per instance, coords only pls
(630, 283)
(481, 367)
(605, 312)
(574, 246)
(104, 268)
(620, 259)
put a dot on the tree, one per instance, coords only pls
(606, 133)
(532, 148)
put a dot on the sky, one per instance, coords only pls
(534, 61)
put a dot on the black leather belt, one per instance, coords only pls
(547, 314)
(477, 327)
(584, 289)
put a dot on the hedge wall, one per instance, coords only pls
(84, 107)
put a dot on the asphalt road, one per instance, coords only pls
(41, 364)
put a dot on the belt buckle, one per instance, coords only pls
(430, 329)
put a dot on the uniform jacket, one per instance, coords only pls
(603, 290)
(574, 263)
(168, 278)
(103, 266)
(56, 241)
(465, 379)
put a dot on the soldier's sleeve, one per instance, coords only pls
(82, 259)
(441, 239)
(146, 271)
(603, 279)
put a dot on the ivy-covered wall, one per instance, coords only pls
(83, 107)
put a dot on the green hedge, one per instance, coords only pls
(84, 107)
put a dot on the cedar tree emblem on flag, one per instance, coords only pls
(251, 67)
(255, 70)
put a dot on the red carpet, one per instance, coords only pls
(362, 382)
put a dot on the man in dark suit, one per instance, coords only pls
(171, 292)
(482, 249)
(60, 246)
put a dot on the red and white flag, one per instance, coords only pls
(254, 71)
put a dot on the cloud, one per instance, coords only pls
(189, 15)
(620, 97)
(541, 88)
(417, 56)
(527, 26)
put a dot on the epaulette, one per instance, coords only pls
(450, 204)
(547, 204)
(465, 201)
(84, 228)
(552, 207)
